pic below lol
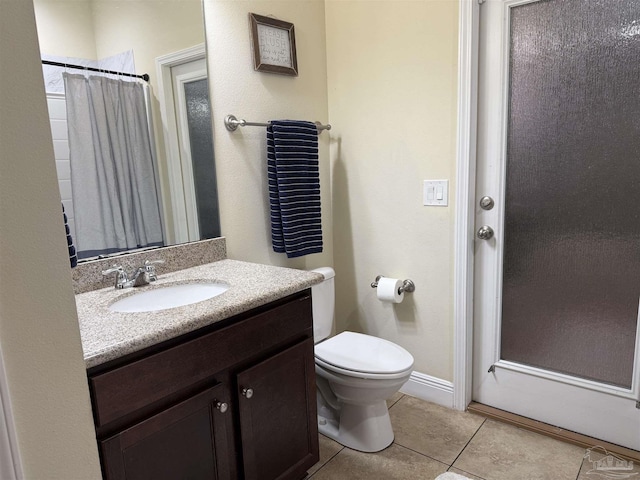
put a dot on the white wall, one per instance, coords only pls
(57, 107)
(392, 69)
(39, 335)
(237, 89)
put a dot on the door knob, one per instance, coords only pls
(486, 203)
(485, 232)
(222, 406)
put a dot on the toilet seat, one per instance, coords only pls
(358, 355)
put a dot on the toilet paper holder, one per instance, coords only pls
(407, 285)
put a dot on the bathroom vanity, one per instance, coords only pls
(232, 397)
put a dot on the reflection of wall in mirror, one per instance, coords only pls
(100, 29)
(236, 88)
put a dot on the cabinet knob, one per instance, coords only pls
(247, 392)
(223, 407)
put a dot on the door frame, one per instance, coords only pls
(468, 58)
(182, 136)
(164, 64)
(464, 234)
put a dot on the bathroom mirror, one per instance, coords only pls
(166, 41)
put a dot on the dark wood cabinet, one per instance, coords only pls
(278, 414)
(235, 400)
(187, 440)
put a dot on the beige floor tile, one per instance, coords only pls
(432, 430)
(594, 471)
(504, 452)
(466, 474)
(392, 463)
(328, 449)
(392, 401)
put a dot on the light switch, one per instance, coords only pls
(436, 193)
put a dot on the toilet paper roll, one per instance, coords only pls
(388, 290)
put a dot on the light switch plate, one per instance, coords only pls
(436, 193)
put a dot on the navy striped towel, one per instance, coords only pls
(73, 258)
(294, 187)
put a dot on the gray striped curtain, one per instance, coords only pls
(113, 180)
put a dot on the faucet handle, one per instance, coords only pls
(152, 262)
(150, 268)
(114, 269)
(121, 277)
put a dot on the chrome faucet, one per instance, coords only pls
(142, 276)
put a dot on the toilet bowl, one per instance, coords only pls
(355, 375)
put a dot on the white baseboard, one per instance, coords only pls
(429, 388)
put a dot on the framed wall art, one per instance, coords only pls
(274, 45)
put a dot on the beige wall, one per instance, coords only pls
(65, 28)
(390, 95)
(392, 68)
(39, 335)
(237, 89)
(97, 29)
(150, 28)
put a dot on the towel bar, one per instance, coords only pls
(232, 124)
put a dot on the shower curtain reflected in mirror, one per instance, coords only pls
(113, 178)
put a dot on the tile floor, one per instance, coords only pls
(430, 440)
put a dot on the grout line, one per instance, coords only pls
(403, 395)
(468, 473)
(419, 453)
(579, 469)
(550, 431)
(440, 461)
(467, 444)
(325, 463)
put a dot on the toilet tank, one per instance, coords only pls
(323, 301)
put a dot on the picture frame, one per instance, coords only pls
(274, 45)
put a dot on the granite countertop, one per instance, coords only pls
(107, 335)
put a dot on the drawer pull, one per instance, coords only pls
(223, 407)
(247, 392)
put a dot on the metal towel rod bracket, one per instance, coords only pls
(232, 124)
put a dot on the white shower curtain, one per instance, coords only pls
(113, 180)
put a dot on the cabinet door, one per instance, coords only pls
(186, 441)
(278, 420)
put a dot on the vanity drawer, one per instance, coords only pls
(124, 390)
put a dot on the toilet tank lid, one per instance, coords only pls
(327, 272)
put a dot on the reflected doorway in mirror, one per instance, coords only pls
(191, 204)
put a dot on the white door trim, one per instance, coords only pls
(186, 162)
(169, 127)
(10, 463)
(465, 194)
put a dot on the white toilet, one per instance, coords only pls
(355, 374)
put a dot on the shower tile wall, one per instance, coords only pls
(58, 119)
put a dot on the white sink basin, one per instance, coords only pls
(168, 297)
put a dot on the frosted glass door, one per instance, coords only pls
(571, 273)
(557, 287)
(196, 95)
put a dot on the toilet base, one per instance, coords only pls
(366, 428)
